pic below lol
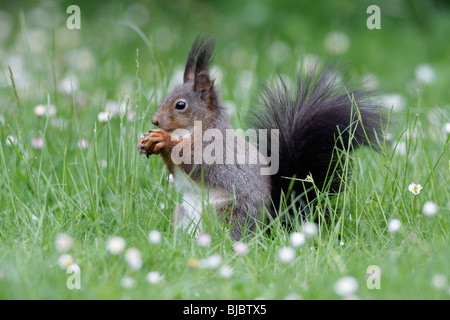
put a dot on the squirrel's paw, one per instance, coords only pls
(153, 142)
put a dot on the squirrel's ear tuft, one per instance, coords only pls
(199, 58)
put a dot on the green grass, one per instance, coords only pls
(107, 190)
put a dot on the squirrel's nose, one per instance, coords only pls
(155, 120)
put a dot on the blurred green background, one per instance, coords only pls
(258, 36)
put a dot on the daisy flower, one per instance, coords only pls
(133, 258)
(430, 208)
(415, 188)
(154, 277)
(37, 143)
(83, 144)
(115, 245)
(240, 248)
(346, 286)
(394, 225)
(154, 236)
(204, 240)
(226, 271)
(286, 254)
(65, 261)
(63, 242)
(297, 239)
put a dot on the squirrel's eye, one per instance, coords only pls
(180, 105)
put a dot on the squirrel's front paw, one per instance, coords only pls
(153, 142)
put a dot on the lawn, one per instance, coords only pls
(83, 216)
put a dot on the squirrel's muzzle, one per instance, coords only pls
(155, 119)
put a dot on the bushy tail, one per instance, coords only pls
(316, 122)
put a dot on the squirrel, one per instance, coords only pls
(311, 123)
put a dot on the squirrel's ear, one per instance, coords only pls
(203, 84)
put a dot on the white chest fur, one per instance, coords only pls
(195, 198)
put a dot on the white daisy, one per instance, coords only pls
(439, 281)
(310, 229)
(115, 245)
(226, 271)
(210, 262)
(154, 236)
(103, 116)
(154, 277)
(63, 242)
(37, 143)
(240, 248)
(394, 225)
(346, 286)
(133, 258)
(10, 140)
(430, 208)
(297, 239)
(415, 188)
(127, 283)
(65, 261)
(447, 127)
(83, 144)
(204, 240)
(336, 42)
(424, 73)
(286, 254)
